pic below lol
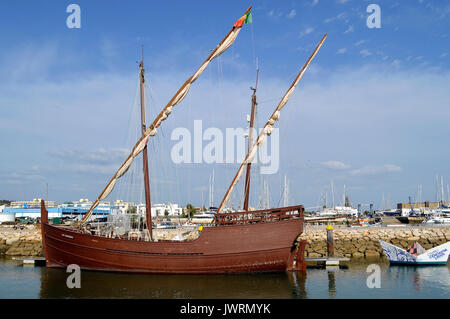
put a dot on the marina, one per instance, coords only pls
(317, 131)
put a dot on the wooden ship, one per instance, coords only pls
(236, 242)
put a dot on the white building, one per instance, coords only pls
(159, 210)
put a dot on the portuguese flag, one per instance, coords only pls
(245, 19)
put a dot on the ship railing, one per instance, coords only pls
(259, 216)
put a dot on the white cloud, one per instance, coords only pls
(340, 16)
(99, 156)
(292, 14)
(375, 170)
(443, 55)
(28, 176)
(396, 63)
(336, 165)
(314, 3)
(274, 14)
(365, 53)
(307, 31)
(341, 51)
(349, 29)
(359, 42)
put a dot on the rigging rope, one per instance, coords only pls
(267, 130)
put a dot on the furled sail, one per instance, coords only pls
(152, 129)
(268, 127)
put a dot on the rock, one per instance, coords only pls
(404, 244)
(372, 253)
(11, 241)
(14, 251)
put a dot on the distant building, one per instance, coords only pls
(35, 203)
(405, 208)
(79, 208)
(427, 204)
(160, 210)
(69, 209)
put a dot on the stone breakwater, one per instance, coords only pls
(348, 242)
(26, 242)
(364, 241)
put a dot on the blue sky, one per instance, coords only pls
(372, 112)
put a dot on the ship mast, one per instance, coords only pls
(148, 206)
(268, 128)
(165, 112)
(250, 142)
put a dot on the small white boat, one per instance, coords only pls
(416, 254)
(203, 218)
(438, 219)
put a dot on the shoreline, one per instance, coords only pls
(363, 242)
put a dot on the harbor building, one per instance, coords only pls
(405, 208)
(76, 209)
(162, 210)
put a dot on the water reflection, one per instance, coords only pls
(17, 281)
(332, 283)
(423, 276)
(298, 282)
(117, 285)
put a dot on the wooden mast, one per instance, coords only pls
(148, 206)
(165, 112)
(250, 142)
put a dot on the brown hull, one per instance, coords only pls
(225, 249)
(242, 246)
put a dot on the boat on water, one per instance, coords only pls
(438, 218)
(241, 241)
(203, 217)
(416, 254)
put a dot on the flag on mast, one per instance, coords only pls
(245, 19)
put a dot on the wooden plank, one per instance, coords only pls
(28, 258)
(328, 259)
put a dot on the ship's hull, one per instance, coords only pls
(220, 249)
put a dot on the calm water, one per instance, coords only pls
(17, 281)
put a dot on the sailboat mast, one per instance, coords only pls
(211, 190)
(286, 192)
(148, 206)
(332, 193)
(250, 142)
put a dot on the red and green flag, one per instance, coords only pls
(245, 19)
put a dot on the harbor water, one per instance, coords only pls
(32, 282)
